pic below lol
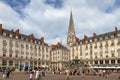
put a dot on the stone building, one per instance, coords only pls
(99, 51)
(59, 56)
(18, 50)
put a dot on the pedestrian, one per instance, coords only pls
(7, 73)
(3, 74)
(67, 73)
(43, 72)
(40, 74)
(37, 74)
(31, 74)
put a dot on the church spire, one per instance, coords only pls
(71, 24)
(71, 38)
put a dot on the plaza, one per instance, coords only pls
(23, 76)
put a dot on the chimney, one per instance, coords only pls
(12, 31)
(42, 39)
(94, 35)
(77, 39)
(17, 32)
(116, 31)
(1, 28)
(85, 37)
(31, 36)
(58, 44)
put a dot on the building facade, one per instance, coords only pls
(99, 51)
(59, 56)
(18, 50)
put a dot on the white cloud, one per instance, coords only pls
(52, 23)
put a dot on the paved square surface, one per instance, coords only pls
(23, 76)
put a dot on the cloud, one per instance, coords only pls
(46, 19)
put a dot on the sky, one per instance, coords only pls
(50, 18)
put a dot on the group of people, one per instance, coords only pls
(6, 73)
(39, 74)
(104, 73)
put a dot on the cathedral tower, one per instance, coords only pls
(71, 38)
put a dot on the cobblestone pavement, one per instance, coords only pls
(23, 76)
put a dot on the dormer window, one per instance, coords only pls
(16, 37)
(101, 38)
(86, 41)
(39, 42)
(31, 40)
(112, 36)
(26, 39)
(4, 34)
(22, 38)
(106, 37)
(35, 41)
(118, 35)
(10, 35)
(112, 43)
(96, 39)
(80, 42)
(90, 40)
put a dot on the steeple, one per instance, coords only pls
(71, 39)
(71, 24)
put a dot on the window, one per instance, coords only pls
(112, 36)
(112, 55)
(106, 61)
(106, 37)
(22, 46)
(4, 33)
(16, 44)
(90, 40)
(101, 61)
(10, 55)
(118, 35)
(4, 42)
(16, 37)
(112, 61)
(16, 55)
(101, 50)
(118, 54)
(101, 45)
(112, 43)
(11, 43)
(10, 63)
(101, 55)
(118, 41)
(95, 46)
(106, 50)
(86, 41)
(118, 61)
(11, 35)
(106, 56)
(86, 47)
(27, 47)
(4, 54)
(106, 45)
(4, 62)
(112, 49)
(101, 38)
(96, 62)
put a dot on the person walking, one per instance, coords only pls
(67, 74)
(31, 74)
(37, 74)
(7, 73)
(3, 74)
